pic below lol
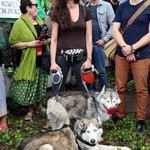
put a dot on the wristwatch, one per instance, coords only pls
(132, 49)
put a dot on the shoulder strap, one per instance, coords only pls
(140, 10)
(29, 29)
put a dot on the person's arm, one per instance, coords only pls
(109, 17)
(117, 34)
(119, 39)
(89, 39)
(53, 46)
(24, 45)
(87, 63)
(142, 42)
(128, 49)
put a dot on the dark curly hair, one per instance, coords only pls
(23, 5)
(60, 13)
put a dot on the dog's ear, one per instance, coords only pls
(78, 126)
(100, 94)
(80, 123)
(99, 120)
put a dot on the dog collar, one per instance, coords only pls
(83, 141)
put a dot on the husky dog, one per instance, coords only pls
(63, 139)
(55, 116)
(87, 134)
(80, 105)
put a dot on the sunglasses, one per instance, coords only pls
(36, 5)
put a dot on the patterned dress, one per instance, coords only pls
(3, 107)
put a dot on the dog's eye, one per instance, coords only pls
(88, 131)
(95, 130)
(114, 101)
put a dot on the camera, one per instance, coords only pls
(45, 31)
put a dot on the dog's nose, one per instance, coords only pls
(92, 141)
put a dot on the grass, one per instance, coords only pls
(121, 133)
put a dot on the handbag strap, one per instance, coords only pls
(136, 14)
(30, 29)
(139, 11)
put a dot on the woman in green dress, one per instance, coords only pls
(29, 83)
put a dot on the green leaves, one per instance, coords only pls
(124, 133)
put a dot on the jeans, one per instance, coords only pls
(65, 66)
(98, 58)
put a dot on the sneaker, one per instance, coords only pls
(140, 126)
(116, 118)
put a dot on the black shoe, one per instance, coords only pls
(116, 118)
(140, 126)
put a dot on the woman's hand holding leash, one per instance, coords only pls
(87, 64)
(54, 67)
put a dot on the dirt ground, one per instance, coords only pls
(131, 102)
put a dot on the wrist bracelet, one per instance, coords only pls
(89, 59)
(132, 49)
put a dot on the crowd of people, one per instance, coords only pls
(79, 30)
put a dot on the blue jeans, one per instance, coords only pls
(65, 66)
(98, 58)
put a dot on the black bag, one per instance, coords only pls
(46, 61)
(74, 55)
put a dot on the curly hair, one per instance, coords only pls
(23, 5)
(60, 13)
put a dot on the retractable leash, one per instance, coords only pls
(87, 76)
(57, 78)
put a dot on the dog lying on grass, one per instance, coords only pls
(78, 105)
(86, 136)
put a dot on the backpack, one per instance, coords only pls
(4, 38)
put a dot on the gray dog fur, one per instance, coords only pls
(78, 105)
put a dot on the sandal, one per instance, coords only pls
(28, 117)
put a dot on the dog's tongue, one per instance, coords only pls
(111, 110)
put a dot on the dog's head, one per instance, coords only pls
(89, 130)
(108, 99)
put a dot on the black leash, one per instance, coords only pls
(50, 130)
